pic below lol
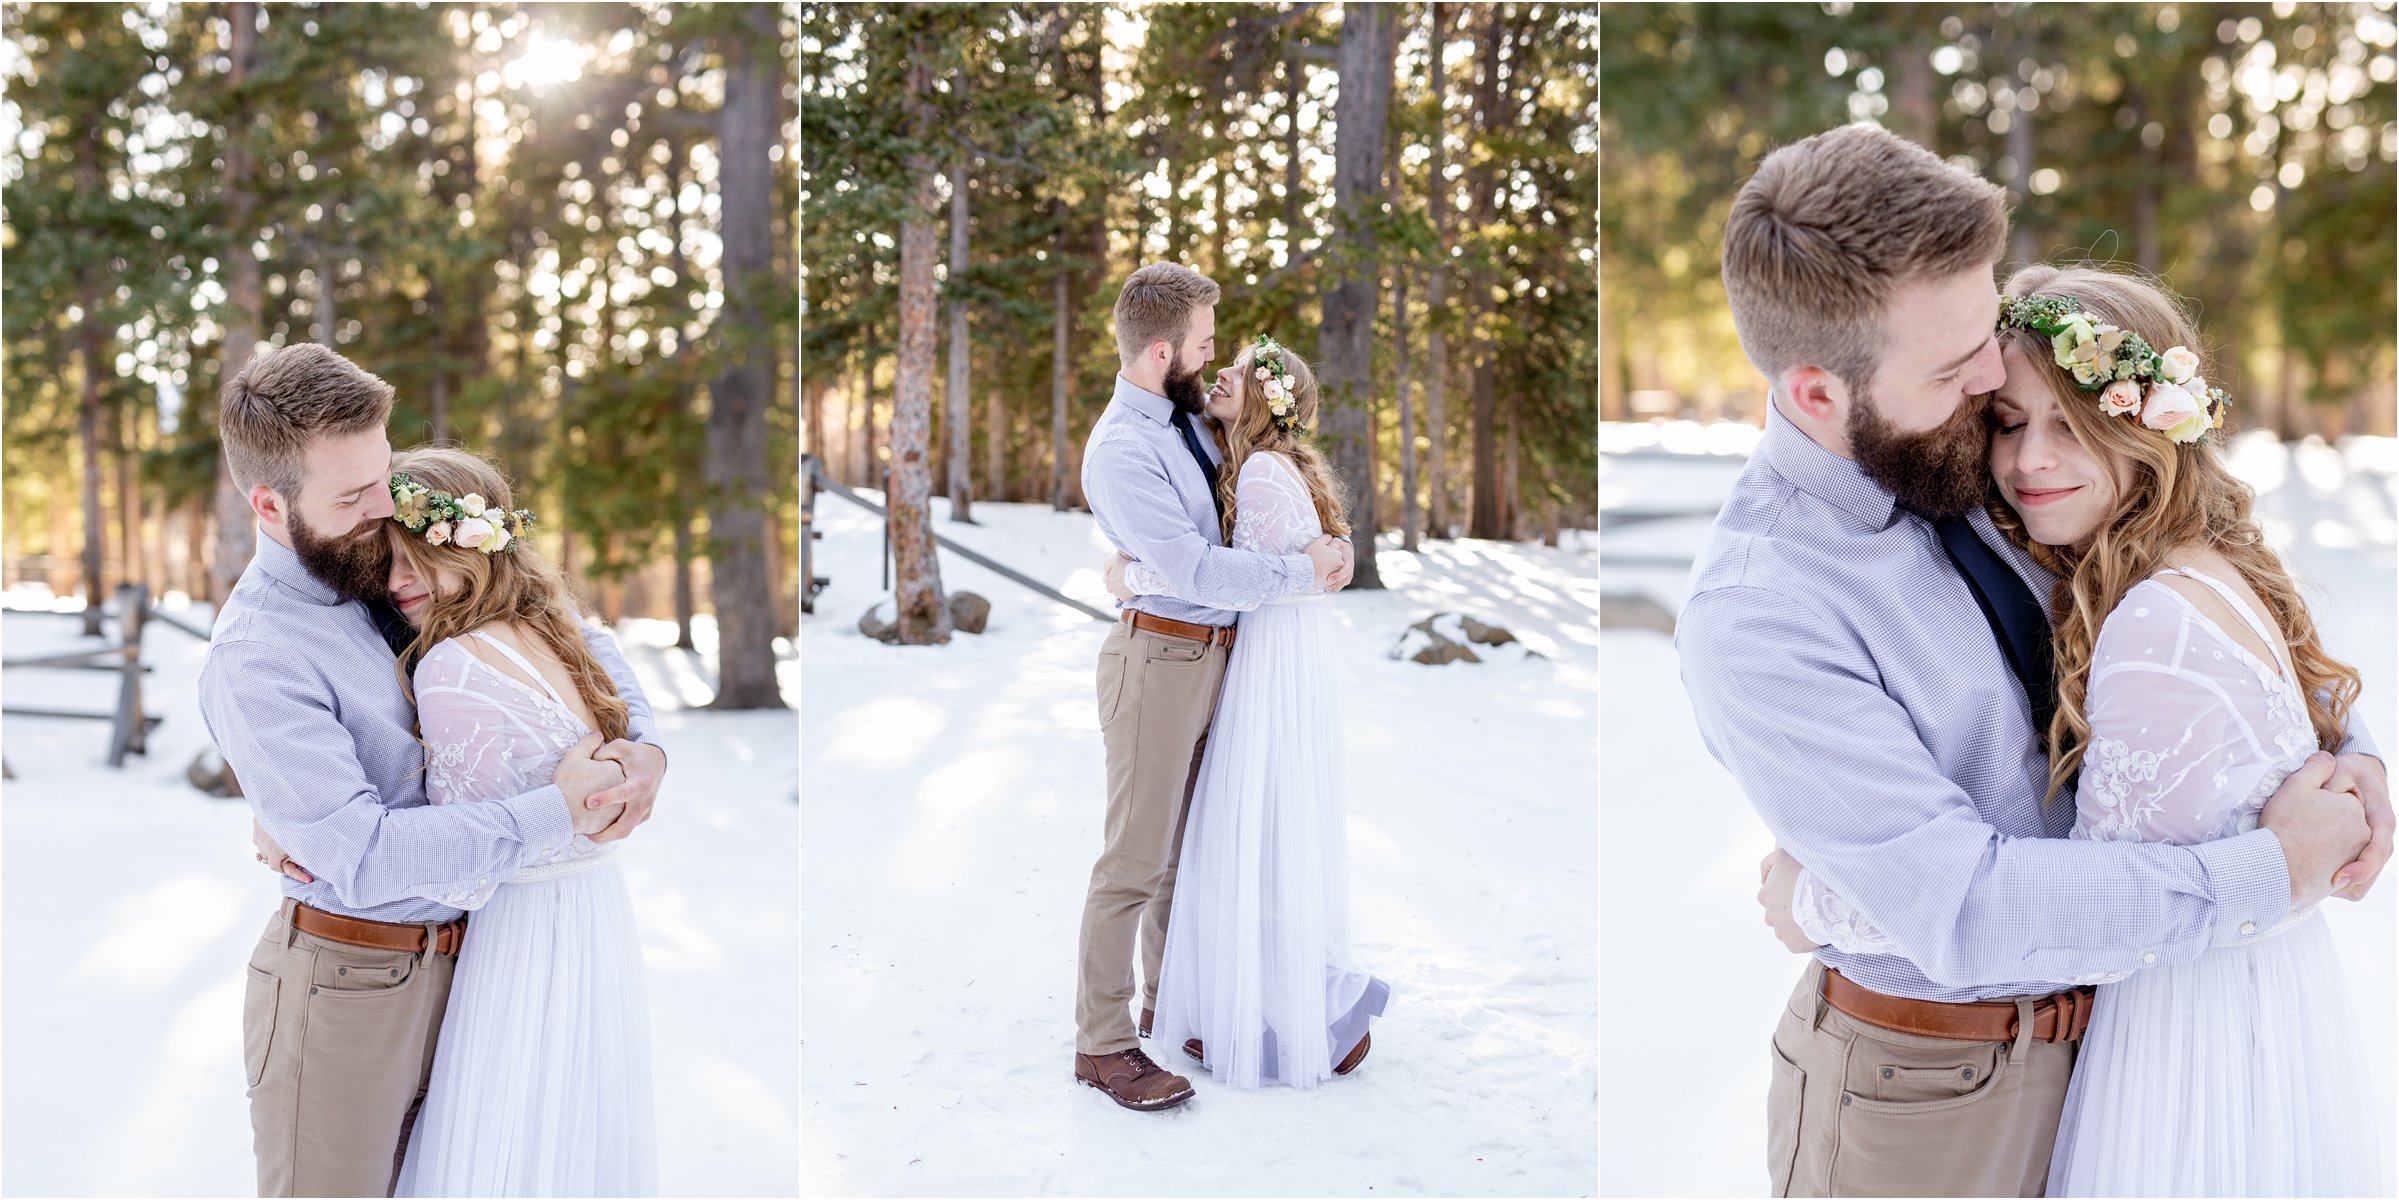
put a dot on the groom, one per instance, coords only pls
(348, 984)
(1149, 473)
(1864, 652)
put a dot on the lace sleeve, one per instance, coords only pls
(467, 735)
(1272, 515)
(2175, 751)
(1823, 915)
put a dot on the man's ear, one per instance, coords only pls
(268, 504)
(1817, 393)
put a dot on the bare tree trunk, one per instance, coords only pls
(237, 529)
(87, 439)
(924, 615)
(133, 566)
(1489, 516)
(957, 419)
(738, 397)
(1401, 383)
(1060, 319)
(1364, 63)
(1436, 353)
(995, 447)
(686, 602)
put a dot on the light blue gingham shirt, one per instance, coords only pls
(300, 694)
(1152, 502)
(1842, 671)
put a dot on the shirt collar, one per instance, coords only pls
(1823, 474)
(283, 566)
(1144, 401)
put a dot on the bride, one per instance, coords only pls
(1257, 984)
(2190, 683)
(541, 1083)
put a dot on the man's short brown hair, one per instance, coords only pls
(281, 399)
(1155, 306)
(1828, 226)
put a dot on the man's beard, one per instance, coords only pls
(1941, 472)
(1185, 391)
(356, 566)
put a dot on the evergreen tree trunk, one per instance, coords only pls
(1489, 519)
(924, 615)
(236, 528)
(738, 397)
(995, 449)
(1436, 351)
(957, 418)
(1364, 62)
(1408, 514)
(1059, 321)
(87, 440)
(686, 602)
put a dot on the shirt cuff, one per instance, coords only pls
(1299, 574)
(543, 823)
(2250, 881)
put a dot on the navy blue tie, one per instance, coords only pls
(2017, 619)
(1191, 442)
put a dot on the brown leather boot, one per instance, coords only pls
(1132, 1080)
(1356, 1056)
(1198, 1053)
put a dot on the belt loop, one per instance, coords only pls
(2024, 1024)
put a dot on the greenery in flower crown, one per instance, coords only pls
(1269, 370)
(2160, 389)
(465, 521)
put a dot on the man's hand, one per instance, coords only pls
(1114, 572)
(272, 855)
(644, 766)
(2322, 831)
(2364, 776)
(1778, 877)
(1326, 553)
(1349, 566)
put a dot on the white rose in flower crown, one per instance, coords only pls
(438, 533)
(2179, 364)
(500, 537)
(1274, 389)
(471, 504)
(2190, 430)
(2121, 397)
(473, 532)
(2086, 374)
(1263, 374)
(2168, 406)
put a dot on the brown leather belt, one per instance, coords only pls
(1221, 635)
(376, 935)
(2059, 1017)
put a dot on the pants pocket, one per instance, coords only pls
(1783, 1097)
(258, 1022)
(1111, 684)
(1947, 1139)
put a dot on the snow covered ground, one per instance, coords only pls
(954, 804)
(1685, 1068)
(131, 903)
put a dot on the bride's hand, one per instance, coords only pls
(2363, 775)
(1778, 878)
(1114, 572)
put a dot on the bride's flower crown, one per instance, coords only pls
(463, 521)
(1272, 373)
(2163, 391)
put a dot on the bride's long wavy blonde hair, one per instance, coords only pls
(516, 586)
(1254, 430)
(2179, 495)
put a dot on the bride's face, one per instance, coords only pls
(411, 592)
(1224, 399)
(2062, 491)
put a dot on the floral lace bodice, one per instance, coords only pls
(1272, 514)
(489, 736)
(2191, 733)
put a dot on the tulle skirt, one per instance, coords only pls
(1257, 947)
(2233, 1074)
(541, 1082)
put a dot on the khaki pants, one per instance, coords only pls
(1855, 1110)
(338, 1042)
(1156, 696)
